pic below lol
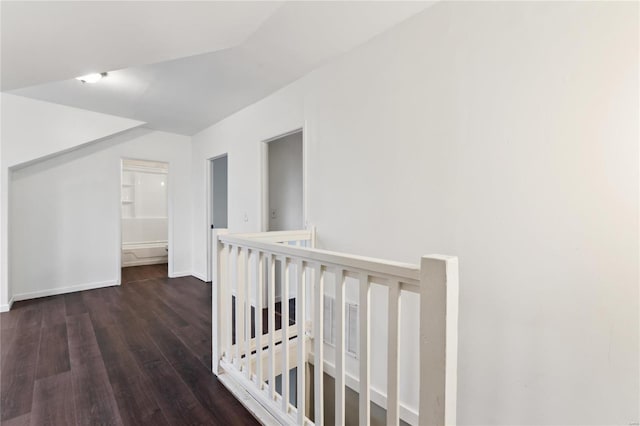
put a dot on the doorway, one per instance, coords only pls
(285, 183)
(144, 219)
(218, 205)
(283, 195)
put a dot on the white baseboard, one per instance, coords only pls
(7, 307)
(201, 277)
(64, 290)
(143, 262)
(180, 274)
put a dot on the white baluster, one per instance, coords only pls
(365, 345)
(259, 267)
(227, 302)
(247, 309)
(220, 307)
(284, 302)
(271, 309)
(318, 346)
(340, 347)
(302, 353)
(240, 304)
(393, 366)
(233, 268)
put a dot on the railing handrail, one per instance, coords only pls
(277, 236)
(405, 272)
(249, 260)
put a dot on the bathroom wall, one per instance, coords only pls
(144, 201)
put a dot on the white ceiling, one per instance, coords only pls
(268, 46)
(55, 40)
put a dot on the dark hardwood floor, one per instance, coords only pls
(135, 354)
(146, 272)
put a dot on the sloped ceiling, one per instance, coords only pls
(45, 41)
(34, 130)
(279, 43)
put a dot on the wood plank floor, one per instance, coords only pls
(135, 354)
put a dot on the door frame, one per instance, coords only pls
(264, 175)
(169, 214)
(209, 210)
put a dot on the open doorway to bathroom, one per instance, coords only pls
(144, 219)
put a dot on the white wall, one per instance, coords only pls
(505, 133)
(144, 202)
(26, 123)
(65, 213)
(285, 183)
(144, 230)
(148, 195)
(32, 130)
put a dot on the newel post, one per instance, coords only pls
(438, 340)
(218, 308)
(312, 232)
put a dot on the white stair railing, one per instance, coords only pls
(246, 266)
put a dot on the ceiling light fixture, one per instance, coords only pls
(92, 78)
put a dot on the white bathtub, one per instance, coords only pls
(147, 253)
